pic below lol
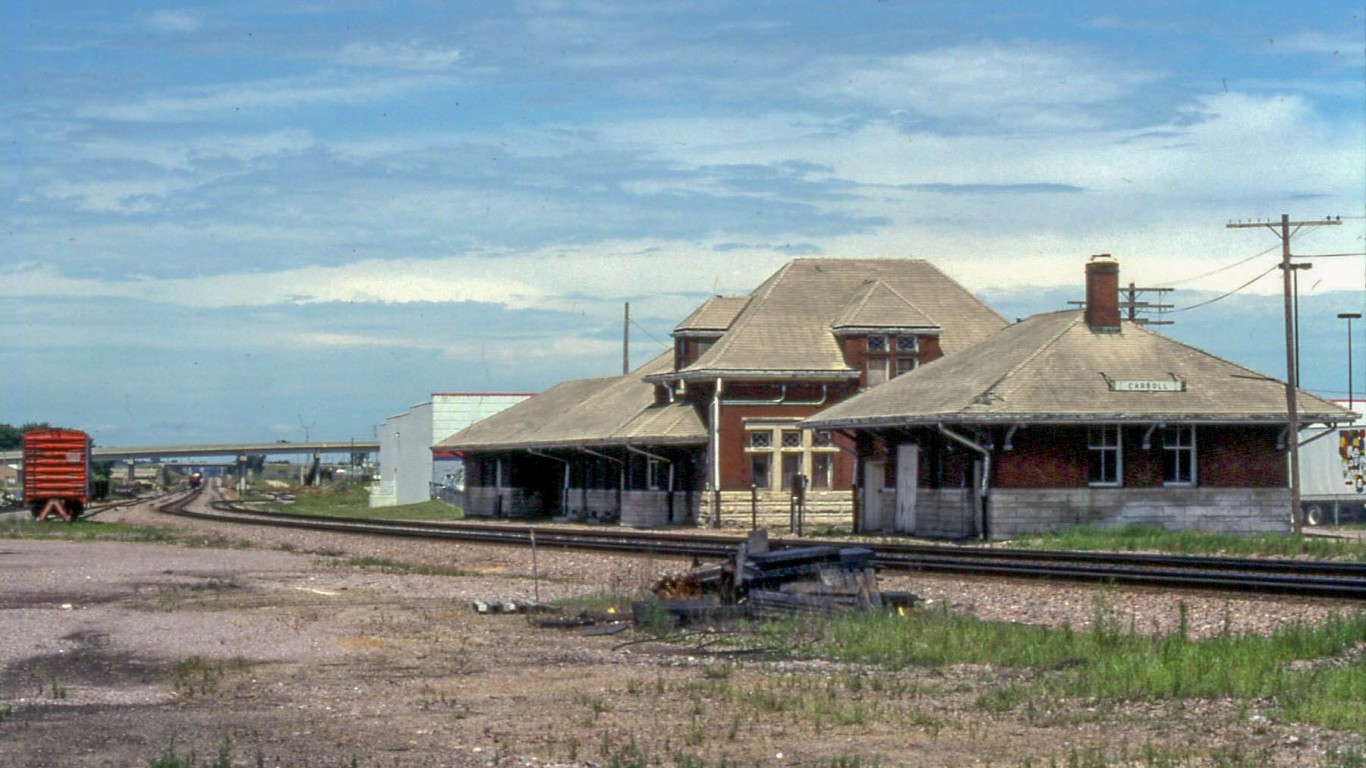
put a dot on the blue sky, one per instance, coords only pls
(226, 221)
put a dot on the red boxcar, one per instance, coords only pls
(56, 472)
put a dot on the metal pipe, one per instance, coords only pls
(1009, 443)
(781, 399)
(760, 401)
(986, 468)
(656, 457)
(1148, 436)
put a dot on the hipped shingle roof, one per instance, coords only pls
(788, 324)
(1054, 368)
(612, 410)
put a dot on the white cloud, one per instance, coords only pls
(1023, 86)
(409, 56)
(321, 89)
(173, 21)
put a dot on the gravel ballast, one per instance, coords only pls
(275, 644)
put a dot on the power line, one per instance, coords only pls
(1273, 268)
(1238, 263)
(647, 333)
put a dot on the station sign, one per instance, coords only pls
(1140, 385)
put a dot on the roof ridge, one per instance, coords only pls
(743, 317)
(1039, 350)
(909, 303)
(862, 295)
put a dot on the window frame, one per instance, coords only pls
(822, 478)
(762, 459)
(1104, 450)
(1178, 457)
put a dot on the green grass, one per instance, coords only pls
(1146, 538)
(87, 530)
(351, 499)
(394, 566)
(1312, 674)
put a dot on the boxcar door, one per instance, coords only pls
(907, 481)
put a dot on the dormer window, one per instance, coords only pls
(877, 343)
(909, 344)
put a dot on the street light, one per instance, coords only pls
(1295, 273)
(1349, 317)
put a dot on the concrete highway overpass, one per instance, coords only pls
(219, 450)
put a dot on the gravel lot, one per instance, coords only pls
(274, 642)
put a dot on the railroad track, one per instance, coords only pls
(1332, 579)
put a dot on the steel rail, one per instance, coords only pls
(1271, 576)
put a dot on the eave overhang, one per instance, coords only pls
(906, 330)
(930, 420)
(752, 375)
(575, 444)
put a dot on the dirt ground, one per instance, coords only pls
(279, 649)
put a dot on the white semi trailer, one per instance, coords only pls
(1333, 475)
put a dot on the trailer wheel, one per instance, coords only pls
(1313, 515)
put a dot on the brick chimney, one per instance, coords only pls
(1102, 294)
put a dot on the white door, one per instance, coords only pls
(870, 519)
(907, 481)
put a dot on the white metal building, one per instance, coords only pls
(408, 474)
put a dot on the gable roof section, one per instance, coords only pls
(1054, 368)
(612, 410)
(786, 326)
(714, 316)
(878, 305)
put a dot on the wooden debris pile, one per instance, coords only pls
(768, 583)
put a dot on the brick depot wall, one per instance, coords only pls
(1226, 457)
(1226, 510)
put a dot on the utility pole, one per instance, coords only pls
(1292, 353)
(1134, 305)
(626, 341)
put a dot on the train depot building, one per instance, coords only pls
(709, 433)
(880, 393)
(1075, 418)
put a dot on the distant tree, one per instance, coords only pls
(12, 437)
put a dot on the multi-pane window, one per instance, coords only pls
(779, 454)
(877, 371)
(654, 475)
(1178, 455)
(822, 470)
(1103, 443)
(758, 469)
(890, 356)
(792, 466)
